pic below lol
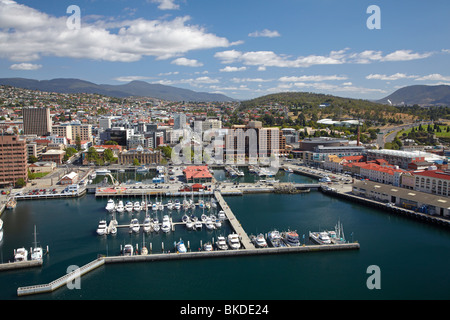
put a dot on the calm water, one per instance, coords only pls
(413, 257)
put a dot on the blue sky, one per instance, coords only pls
(243, 49)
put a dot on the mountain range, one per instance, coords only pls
(419, 94)
(133, 88)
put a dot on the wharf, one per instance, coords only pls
(66, 279)
(20, 265)
(245, 240)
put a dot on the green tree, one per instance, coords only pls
(136, 162)
(108, 156)
(20, 183)
(78, 143)
(32, 159)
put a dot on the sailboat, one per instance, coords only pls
(36, 252)
(144, 250)
(147, 224)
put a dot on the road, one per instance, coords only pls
(389, 134)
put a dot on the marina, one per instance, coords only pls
(294, 214)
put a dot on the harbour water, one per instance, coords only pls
(412, 256)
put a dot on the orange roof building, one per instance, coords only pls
(197, 174)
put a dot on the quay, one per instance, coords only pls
(58, 283)
(20, 265)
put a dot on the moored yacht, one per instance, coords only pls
(110, 205)
(275, 239)
(20, 254)
(134, 225)
(147, 224)
(291, 238)
(181, 248)
(233, 241)
(101, 229)
(208, 246)
(221, 243)
(128, 250)
(165, 227)
(36, 252)
(320, 237)
(259, 241)
(155, 224)
(129, 206)
(137, 206)
(120, 208)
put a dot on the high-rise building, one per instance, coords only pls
(179, 121)
(37, 121)
(13, 159)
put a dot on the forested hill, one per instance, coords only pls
(311, 100)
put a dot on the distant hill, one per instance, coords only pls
(134, 88)
(420, 94)
(310, 99)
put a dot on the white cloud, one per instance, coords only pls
(405, 55)
(166, 4)
(239, 80)
(265, 33)
(187, 62)
(264, 59)
(396, 76)
(434, 77)
(312, 78)
(30, 34)
(25, 66)
(233, 69)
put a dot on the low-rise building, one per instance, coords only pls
(69, 179)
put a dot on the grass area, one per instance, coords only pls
(442, 134)
(37, 175)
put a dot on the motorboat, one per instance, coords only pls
(198, 224)
(291, 238)
(203, 217)
(221, 243)
(155, 224)
(177, 205)
(208, 246)
(144, 250)
(209, 224)
(189, 224)
(102, 227)
(20, 254)
(233, 241)
(275, 239)
(1, 224)
(165, 227)
(201, 204)
(120, 208)
(137, 206)
(181, 248)
(11, 204)
(288, 170)
(217, 223)
(129, 206)
(170, 205)
(134, 225)
(110, 205)
(102, 172)
(154, 206)
(147, 224)
(259, 241)
(36, 252)
(320, 237)
(221, 215)
(160, 206)
(142, 169)
(128, 250)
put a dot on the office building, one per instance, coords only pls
(37, 121)
(13, 159)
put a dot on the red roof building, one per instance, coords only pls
(433, 181)
(197, 174)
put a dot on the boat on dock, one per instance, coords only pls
(320, 237)
(291, 238)
(221, 243)
(166, 226)
(275, 239)
(20, 254)
(134, 225)
(137, 206)
(129, 206)
(102, 228)
(181, 248)
(142, 169)
(128, 250)
(36, 252)
(102, 172)
(259, 241)
(155, 224)
(233, 241)
(120, 208)
(208, 246)
(147, 226)
(110, 205)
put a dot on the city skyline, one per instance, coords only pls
(241, 49)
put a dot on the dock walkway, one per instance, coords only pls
(245, 240)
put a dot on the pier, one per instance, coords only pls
(20, 265)
(64, 280)
(245, 240)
